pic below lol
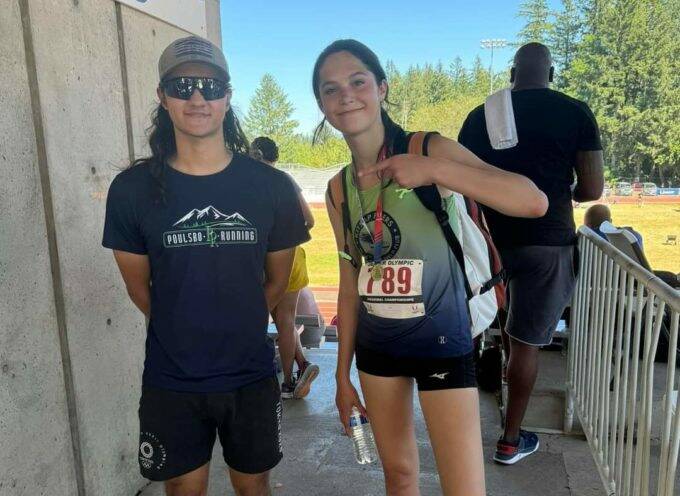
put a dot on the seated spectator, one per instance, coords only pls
(599, 219)
(597, 214)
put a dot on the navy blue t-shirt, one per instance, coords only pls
(206, 246)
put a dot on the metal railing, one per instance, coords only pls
(619, 311)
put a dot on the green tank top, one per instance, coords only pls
(410, 231)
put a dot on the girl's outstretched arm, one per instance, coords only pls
(452, 166)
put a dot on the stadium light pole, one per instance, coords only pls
(493, 43)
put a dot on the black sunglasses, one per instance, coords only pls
(184, 87)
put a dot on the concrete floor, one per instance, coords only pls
(318, 459)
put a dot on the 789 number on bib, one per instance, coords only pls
(393, 279)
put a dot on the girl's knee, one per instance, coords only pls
(400, 475)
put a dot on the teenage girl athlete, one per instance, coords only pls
(290, 348)
(428, 338)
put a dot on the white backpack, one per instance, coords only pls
(473, 248)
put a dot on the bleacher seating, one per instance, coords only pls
(312, 181)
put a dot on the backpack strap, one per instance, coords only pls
(415, 143)
(419, 142)
(337, 193)
(431, 199)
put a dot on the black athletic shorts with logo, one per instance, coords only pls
(431, 374)
(178, 429)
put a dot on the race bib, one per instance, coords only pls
(398, 293)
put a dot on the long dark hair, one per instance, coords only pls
(162, 143)
(394, 134)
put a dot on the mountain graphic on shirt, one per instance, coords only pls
(210, 216)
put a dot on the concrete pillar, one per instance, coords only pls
(36, 456)
(213, 21)
(83, 79)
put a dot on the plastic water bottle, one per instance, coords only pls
(362, 438)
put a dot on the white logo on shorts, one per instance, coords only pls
(441, 376)
(279, 411)
(152, 453)
(442, 339)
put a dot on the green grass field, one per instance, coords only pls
(653, 221)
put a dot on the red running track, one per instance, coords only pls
(326, 298)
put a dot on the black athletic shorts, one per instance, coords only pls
(541, 280)
(178, 429)
(431, 374)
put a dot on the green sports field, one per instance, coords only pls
(653, 221)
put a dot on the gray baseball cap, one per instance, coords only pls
(192, 49)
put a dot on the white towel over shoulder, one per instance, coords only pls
(500, 120)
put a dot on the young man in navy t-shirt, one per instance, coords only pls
(204, 239)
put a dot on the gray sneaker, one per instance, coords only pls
(305, 377)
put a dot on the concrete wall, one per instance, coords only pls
(35, 443)
(213, 24)
(71, 343)
(142, 75)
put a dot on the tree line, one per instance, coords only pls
(619, 56)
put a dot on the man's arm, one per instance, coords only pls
(137, 276)
(589, 176)
(277, 267)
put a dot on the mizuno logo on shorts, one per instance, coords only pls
(441, 376)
